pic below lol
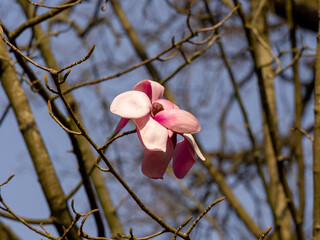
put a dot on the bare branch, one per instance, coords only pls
(62, 6)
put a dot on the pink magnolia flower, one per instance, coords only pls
(158, 121)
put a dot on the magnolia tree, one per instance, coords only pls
(164, 119)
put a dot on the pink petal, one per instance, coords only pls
(170, 133)
(178, 120)
(157, 90)
(144, 86)
(152, 135)
(194, 145)
(123, 122)
(153, 89)
(131, 104)
(183, 158)
(155, 163)
(166, 104)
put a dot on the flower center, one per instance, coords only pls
(156, 107)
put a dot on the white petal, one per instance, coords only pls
(131, 104)
(194, 144)
(152, 135)
(157, 90)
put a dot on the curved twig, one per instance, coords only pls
(78, 62)
(265, 233)
(204, 213)
(60, 124)
(181, 226)
(9, 178)
(62, 6)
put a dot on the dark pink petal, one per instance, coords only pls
(157, 90)
(153, 89)
(123, 122)
(155, 163)
(183, 158)
(194, 145)
(131, 104)
(178, 120)
(166, 104)
(152, 135)
(144, 86)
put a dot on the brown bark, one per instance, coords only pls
(305, 12)
(265, 76)
(6, 233)
(316, 144)
(276, 190)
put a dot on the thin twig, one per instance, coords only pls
(181, 226)
(83, 233)
(115, 138)
(147, 237)
(102, 169)
(62, 6)
(5, 112)
(268, 48)
(28, 220)
(204, 213)
(167, 58)
(104, 7)
(265, 233)
(9, 178)
(47, 84)
(24, 56)
(6, 208)
(60, 124)
(44, 229)
(303, 132)
(78, 62)
(188, 60)
(76, 218)
(37, 19)
(149, 60)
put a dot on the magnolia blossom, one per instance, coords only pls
(158, 121)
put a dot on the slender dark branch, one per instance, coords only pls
(28, 220)
(6, 208)
(181, 226)
(204, 213)
(62, 6)
(60, 124)
(9, 178)
(78, 62)
(174, 45)
(265, 233)
(5, 112)
(14, 48)
(115, 138)
(38, 19)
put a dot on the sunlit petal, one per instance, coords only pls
(191, 140)
(144, 86)
(157, 90)
(183, 158)
(178, 120)
(155, 163)
(152, 135)
(131, 104)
